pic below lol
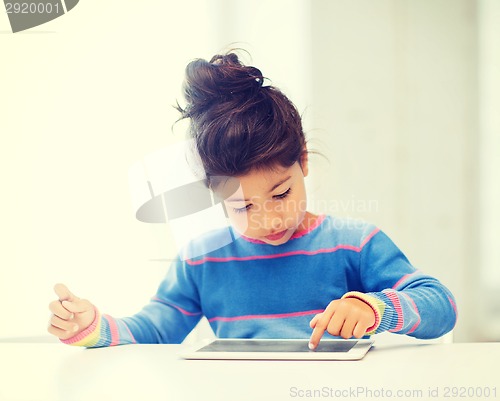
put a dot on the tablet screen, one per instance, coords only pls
(276, 346)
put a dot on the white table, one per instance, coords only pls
(154, 372)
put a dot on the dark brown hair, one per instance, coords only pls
(238, 123)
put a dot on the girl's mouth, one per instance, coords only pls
(276, 236)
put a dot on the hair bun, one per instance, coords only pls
(221, 79)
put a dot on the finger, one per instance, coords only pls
(78, 306)
(64, 293)
(63, 324)
(61, 334)
(339, 319)
(347, 328)
(336, 323)
(314, 320)
(316, 336)
(57, 309)
(321, 325)
(359, 330)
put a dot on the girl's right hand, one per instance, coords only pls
(70, 314)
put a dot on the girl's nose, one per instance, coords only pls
(272, 221)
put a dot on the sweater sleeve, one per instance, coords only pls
(405, 300)
(168, 318)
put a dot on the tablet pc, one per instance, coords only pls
(282, 349)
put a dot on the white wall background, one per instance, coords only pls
(395, 97)
(400, 95)
(82, 99)
(489, 165)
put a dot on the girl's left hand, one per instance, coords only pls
(348, 317)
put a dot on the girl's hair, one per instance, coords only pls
(237, 123)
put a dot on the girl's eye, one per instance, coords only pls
(248, 207)
(242, 209)
(283, 195)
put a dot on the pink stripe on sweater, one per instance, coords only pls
(113, 328)
(272, 256)
(273, 316)
(285, 254)
(397, 307)
(369, 237)
(453, 305)
(183, 311)
(404, 278)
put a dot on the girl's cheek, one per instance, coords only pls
(297, 205)
(252, 223)
(239, 222)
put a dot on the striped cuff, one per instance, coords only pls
(376, 304)
(88, 337)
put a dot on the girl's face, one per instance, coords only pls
(267, 205)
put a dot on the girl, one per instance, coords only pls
(288, 273)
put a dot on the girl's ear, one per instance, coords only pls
(304, 162)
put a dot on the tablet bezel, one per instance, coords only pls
(357, 352)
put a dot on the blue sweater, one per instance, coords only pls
(248, 289)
